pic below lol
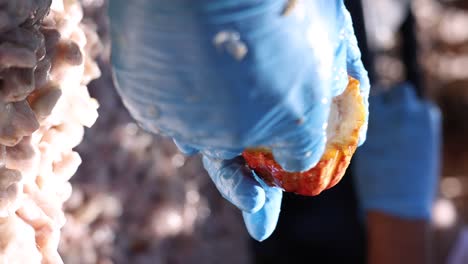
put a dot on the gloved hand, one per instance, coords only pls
(396, 171)
(221, 76)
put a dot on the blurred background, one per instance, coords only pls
(136, 199)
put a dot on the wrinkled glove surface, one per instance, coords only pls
(221, 76)
(397, 170)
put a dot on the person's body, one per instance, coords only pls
(220, 76)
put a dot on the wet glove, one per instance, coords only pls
(221, 76)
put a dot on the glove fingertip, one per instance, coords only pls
(257, 233)
(253, 202)
(403, 96)
(262, 223)
(236, 183)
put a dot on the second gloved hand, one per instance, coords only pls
(222, 76)
(396, 171)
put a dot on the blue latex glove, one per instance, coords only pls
(221, 76)
(397, 170)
